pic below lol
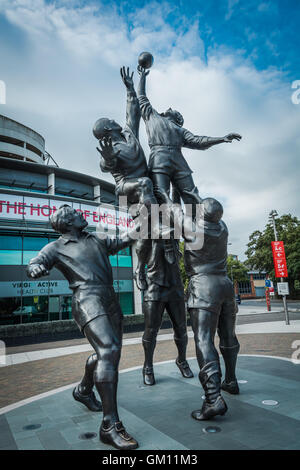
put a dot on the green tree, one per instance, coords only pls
(259, 252)
(236, 270)
(183, 274)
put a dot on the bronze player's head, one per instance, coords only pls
(66, 218)
(174, 116)
(213, 210)
(104, 126)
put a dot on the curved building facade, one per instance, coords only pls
(30, 191)
(20, 142)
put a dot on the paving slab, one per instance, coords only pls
(159, 416)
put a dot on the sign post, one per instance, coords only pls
(280, 270)
(268, 300)
(279, 262)
(283, 288)
(267, 293)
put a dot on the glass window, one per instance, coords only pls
(126, 251)
(245, 288)
(31, 190)
(66, 307)
(34, 243)
(113, 260)
(10, 257)
(86, 196)
(259, 276)
(11, 249)
(10, 310)
(10, 242)
(121, 261)
(35, 309)
(124, 261)
(126, 302)
(27, 255)
(54, 308)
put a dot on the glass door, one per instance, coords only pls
(65, 307)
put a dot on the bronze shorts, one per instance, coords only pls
(91, 301)
(213, 292)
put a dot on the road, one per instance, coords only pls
(255, 311)
(275, 303)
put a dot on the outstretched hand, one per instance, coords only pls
(231, 137)
(127, 78)
(106, 149)
(38, 270)
(142, 72)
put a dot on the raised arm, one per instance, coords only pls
(203, 142)
(114, 244)
(133, 113)
(43, 262)
(142, 83)
(145, 105)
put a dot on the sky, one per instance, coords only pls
(226, 65)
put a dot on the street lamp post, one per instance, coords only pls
(272, 216)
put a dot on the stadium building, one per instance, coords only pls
(32, 186)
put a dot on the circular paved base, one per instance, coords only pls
(159, 416)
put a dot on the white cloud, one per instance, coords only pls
(264, 6)
(69, 76)
(231, 4)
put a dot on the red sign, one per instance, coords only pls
(279, 259)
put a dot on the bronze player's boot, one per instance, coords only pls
(116, 436)
(209, 410)
(148, 376)
(214, 404)
(230, 354)
(90, 401)
(231, 387)
(184, 369)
